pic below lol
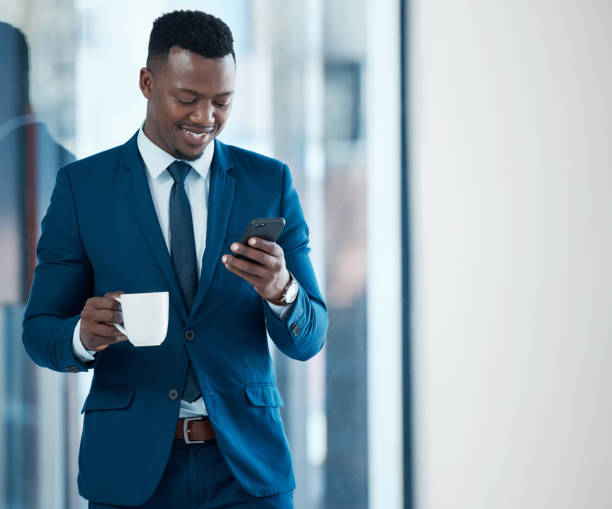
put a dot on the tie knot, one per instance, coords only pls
(179, 171)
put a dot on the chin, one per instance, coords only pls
(188, 156)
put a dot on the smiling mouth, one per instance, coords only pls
(197, 134)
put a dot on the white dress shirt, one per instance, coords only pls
(156, 161)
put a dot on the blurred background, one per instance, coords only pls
(454, 164)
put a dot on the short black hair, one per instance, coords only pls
(194, 31)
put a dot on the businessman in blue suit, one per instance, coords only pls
(194, 422)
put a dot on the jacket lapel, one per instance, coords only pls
(139, 195)
(220, 201)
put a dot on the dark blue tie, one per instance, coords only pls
(183, 254)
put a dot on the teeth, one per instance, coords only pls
(196, 135)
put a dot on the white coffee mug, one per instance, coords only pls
(145, 317)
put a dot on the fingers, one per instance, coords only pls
(108, 316)
(106, 332)
(98, 336)
(257, 263)
(263, 257)
(265, 268)
(106, 302)
(254, 270)
(94, 315)
(266, 245)
(97, 317)
(110, 298)
(255, 255)
(247, 276)
(99, 343)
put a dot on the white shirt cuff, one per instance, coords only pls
(78, 349)
(280, 311)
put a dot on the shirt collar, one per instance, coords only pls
(157, 160)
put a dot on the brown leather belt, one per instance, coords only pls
(194, 430)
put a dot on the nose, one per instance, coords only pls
(203, 113)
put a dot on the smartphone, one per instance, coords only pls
(267, 228)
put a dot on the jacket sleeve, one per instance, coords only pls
(61, 285)
(301, 332)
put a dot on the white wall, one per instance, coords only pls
(511, 175)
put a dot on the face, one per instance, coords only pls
(189, 101)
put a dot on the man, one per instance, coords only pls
(163, 213)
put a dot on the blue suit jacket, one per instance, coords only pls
(101, 234)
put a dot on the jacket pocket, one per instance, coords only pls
(263, 395)
(108, 398)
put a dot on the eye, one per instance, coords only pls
(222, 105)
(183, 101)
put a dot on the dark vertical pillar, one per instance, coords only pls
(404, 20)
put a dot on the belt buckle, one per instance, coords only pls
(186, 430)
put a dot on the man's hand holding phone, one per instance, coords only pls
(262, 261)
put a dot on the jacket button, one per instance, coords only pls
(189, 335)
(72, 369)
(295, 328)
(173, 394)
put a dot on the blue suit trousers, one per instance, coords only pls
(197, 477)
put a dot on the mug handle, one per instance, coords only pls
(119, 327)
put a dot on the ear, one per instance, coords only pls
(146, 82)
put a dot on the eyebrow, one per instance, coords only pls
(193, 92)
